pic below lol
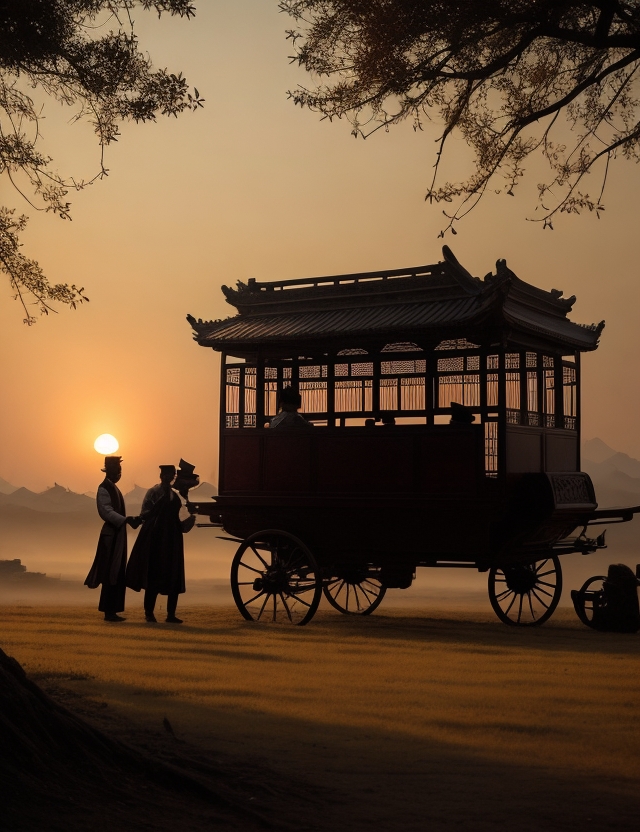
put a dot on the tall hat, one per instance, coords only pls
(112, 463)
(164, 468)
(186, 479)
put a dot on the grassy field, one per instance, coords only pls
(408, 720)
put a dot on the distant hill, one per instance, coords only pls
(133, 499)
(6, 487)
(615, 475)
(54, 500)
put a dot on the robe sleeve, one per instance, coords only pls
(153, 495)
(107, 511)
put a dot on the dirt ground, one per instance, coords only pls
(406, 720)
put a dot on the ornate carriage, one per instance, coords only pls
(387, 481)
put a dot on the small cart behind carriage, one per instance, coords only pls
(387, 481)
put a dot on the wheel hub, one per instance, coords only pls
(274, 581)
(520, 579)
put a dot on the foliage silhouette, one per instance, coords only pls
(491, 71)
(85, 55)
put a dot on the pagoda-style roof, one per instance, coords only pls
(423, 305)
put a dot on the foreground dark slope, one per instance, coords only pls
(59, 773)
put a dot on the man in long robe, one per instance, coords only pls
(110, 562)
(157, 558)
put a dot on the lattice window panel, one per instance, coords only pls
(512, 361)
(463, 389)
(270, 398)
(492, 389)
(270, 372)
(364, 369)
(512, 383)
(547, 361)
(403, 346)
(353, 396)
(532, 392)
(232, 391)
(531, 359)
(312, 371)
(341, 370)
(513, 417)
(457, 344)
(388, 368)
(570, 393)
(314, 396)
(491, 449)
(493, 362)
(388, 394)
(451, 365)
(549, 398)
(412, 394)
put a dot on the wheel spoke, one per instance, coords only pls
(286, 606)
(366, 594)
(355, 592)
(300, 600)
(544, 574)
(251, 600)
(259, 556)
(546, 583)
(504, 594)
(520, 608)
(513, 600)
(264, 604)
(541, 600)
(252, 568)
(533, 615)
(544, 591)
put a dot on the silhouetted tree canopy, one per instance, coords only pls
(511, 76)
(85, 55)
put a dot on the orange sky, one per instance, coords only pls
(253, 187)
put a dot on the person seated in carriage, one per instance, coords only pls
(288, 418)
(461, 414)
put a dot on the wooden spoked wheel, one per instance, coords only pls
(526, 595)
(587, 600)
(274, 577)
(355, 591)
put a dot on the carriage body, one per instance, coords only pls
(386, 481)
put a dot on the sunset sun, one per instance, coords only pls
(106, 444)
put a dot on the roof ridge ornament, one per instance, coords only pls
(465, 279)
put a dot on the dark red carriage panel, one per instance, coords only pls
(524, 450)
(287, 463)
(241, 464)
(449, 460)
(380, 463)
(561, 451)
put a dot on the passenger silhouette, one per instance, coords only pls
(110, 561)
(289, 418)
(157, 558)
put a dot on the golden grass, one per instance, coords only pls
(559, 696)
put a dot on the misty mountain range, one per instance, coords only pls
(58, 499)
